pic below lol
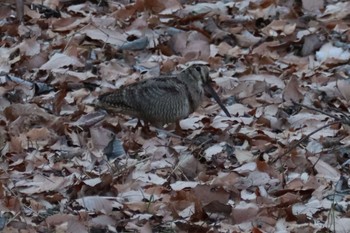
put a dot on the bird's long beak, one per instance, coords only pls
(208, 88)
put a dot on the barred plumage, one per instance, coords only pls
(163, 99)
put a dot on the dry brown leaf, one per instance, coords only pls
(59, 60)
(41, 184)
(220, 169)
(30, 47)
(244, 212)
(325, 170)
(163, 7)
(66, 24)
(313, 5)
(246, 39)
(292, 91)
(191, 45)
(277, 27)
(58, 219)
(344, 88)
(179, 185)
(99, 204)
(335, 11)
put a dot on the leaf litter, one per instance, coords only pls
(271, 167)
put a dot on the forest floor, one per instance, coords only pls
(279, 164)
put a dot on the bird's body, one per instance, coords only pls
(163, 99)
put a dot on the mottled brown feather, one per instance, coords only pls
(163, 99)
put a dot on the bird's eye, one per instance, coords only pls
(198, 68)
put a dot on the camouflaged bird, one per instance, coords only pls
(165, 99)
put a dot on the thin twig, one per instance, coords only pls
(318, 110)
(303, 139)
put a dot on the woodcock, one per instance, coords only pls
(165, 99)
